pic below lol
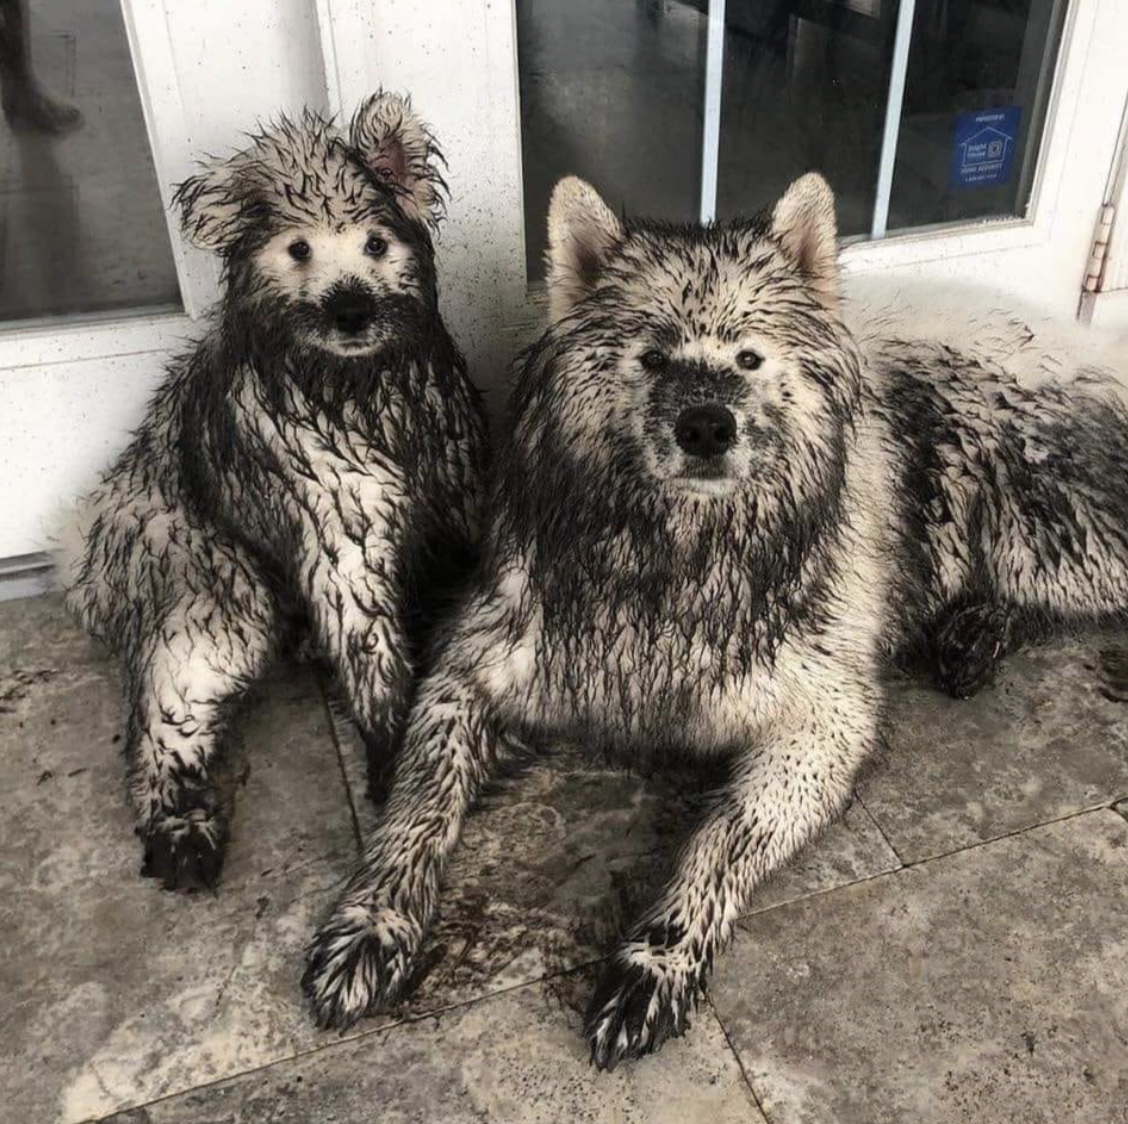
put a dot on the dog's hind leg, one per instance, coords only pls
(782, 793)
(192, 663)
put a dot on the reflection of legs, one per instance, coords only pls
(25, 104)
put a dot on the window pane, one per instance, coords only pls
(614, 90)
(805, 87)
(611, 90)
(81, 224)
(979, 80)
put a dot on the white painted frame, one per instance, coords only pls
(402, 44)
(891, 131)
(458, 61)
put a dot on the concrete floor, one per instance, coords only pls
(955, 950)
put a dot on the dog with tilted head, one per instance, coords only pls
(317, 459)
(728, 499)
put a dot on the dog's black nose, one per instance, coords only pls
(350, 312)
(705, 431)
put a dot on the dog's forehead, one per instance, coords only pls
(705, 285)
(323, 182)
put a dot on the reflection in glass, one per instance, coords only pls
(979, 80)
(805, 87)
(81, 225)
(615, 90)
(611, 91)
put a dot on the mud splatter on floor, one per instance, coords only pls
(1113, 670)
(15, 685)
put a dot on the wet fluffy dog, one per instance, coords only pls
(720, 512)
(317, 451)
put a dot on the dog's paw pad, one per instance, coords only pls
(967, 648)
(184, 852)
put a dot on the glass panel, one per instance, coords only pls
(611, 90)
(979, 80)
(81, 224)
(805, 87)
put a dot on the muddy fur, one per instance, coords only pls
(729, 499)
(307, 464)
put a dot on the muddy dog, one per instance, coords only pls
(727, 502)
(319, 451)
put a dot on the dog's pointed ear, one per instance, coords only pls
(582, 231)
(396, 144)
(803, 223)
(214, 202)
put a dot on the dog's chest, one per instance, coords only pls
(331, 473)
(629, 674)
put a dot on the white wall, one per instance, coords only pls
(456, 60)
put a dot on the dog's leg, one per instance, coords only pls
(782, 793)
(358, 615)
(362, 957)
(189, 670)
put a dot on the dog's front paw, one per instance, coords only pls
(184, 852)
(639, 1003)
(361, 961)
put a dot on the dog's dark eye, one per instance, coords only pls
(376, 246)
(749, 360)
(653, 360)
(299, 250)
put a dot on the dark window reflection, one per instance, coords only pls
(611, 90)
(969, 57)
(805, 87)
(82, 229)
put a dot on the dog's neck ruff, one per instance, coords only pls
(602, 563)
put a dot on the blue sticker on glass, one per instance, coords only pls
(983, 147)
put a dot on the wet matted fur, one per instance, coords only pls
(319, 451)
(726, 502)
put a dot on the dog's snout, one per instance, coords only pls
(705, 431)
(350, 312)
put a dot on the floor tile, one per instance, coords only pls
(113, 991)
(986, 986)
(64, 814)
(124, 993)
(514, 1059)
(1049, 738)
